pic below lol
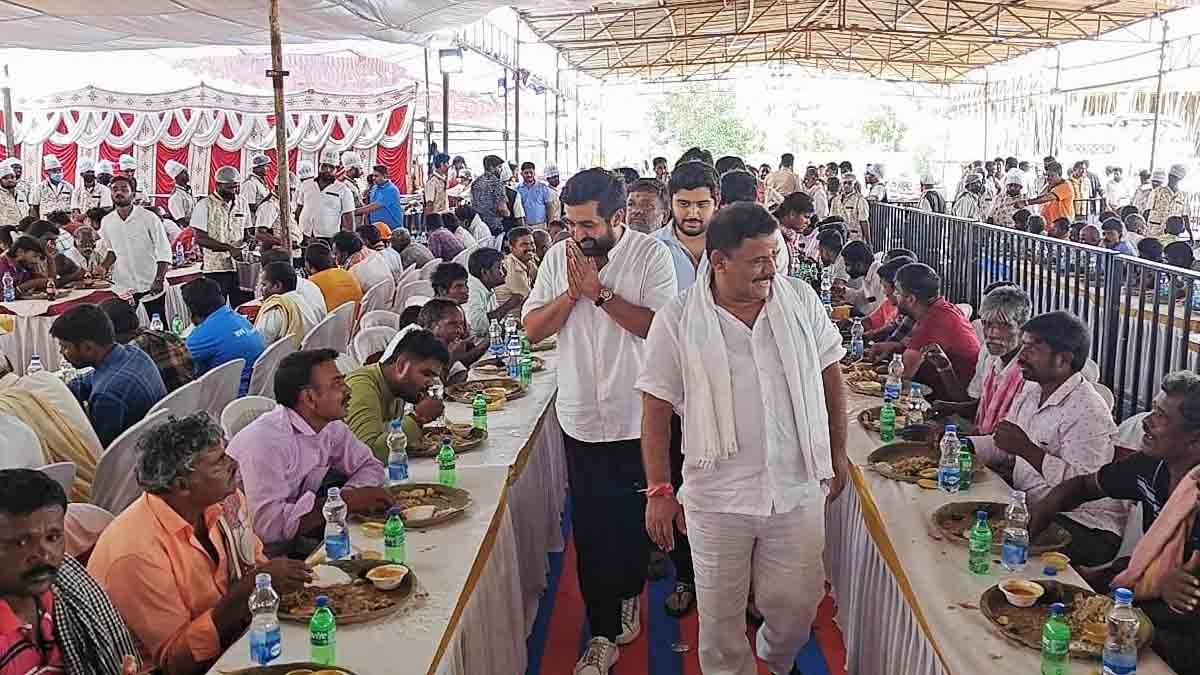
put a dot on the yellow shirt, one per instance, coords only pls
(338, 286)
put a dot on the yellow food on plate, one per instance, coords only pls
(928, 484)
(373, 530)
(930, 473)
(371, 555)
(495, 393)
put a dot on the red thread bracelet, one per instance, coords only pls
(660, 490)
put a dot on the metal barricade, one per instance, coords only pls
(1139, 313)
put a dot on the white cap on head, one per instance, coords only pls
(972, 178)
(260, 160)
(1177, 171)
(173, 168)
(927, 179)
(127, 162)
(551, 171)
(304, 169)
(104, 167)
(86, 165)
(228, 174)
(51, 163)
(329, 156)
(876, 170)
(1159, 175)
(6, 169)
(1014, 177)
(351, 159)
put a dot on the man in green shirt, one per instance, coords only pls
(379, 391)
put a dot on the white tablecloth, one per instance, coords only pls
(899, 590)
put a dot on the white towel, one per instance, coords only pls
(708, 407)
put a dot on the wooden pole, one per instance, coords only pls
(1162, 58)
(517, 99)
(9, 122)
(557, 101)
(277, 73)
(446, 113)
(428, 119)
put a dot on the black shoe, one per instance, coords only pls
(657, 569)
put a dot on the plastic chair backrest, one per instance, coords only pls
(241, 412)
(262, 378)
(116, 483)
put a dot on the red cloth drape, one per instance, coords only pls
(112, 154)
(67, 154)
(396, 160)
(219, 158)
(163, 183)
(273, 169)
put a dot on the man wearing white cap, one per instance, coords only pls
(354, 178)
(182, 203)
(969, 203)
(1006, 204)
(104, 172)
(855, 209)
(1167, 200)
(139, 251)
(128, 166)
(1141, 194)
(325, 205)
(13, 205)
(54, 193)
(255, 190)
(932, 201)
(876, 190)
(555, 210)
(91, 194)
(217, 221)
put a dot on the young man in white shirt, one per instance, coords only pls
(598, 292)
(324, 205)
(764, 436)
(139, 253)
(255, 190)
(181, 203)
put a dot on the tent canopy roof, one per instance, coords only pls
(936, 41)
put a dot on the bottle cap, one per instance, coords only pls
(333, 493)
(1050, 571)
(981, 515)
(397, 425)
(1123, 595)
(395, 511)
(262, 580)
(323, 601)
(952, 428)
(446, 440)
(1057, 609)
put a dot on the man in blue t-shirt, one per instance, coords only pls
(535, 197)
(383, 200)
(220, 334)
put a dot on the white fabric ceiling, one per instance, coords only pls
(95, 25)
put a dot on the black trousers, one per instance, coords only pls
(681, 555)
(608, 521)
(228, 281)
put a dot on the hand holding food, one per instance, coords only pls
(367, 499)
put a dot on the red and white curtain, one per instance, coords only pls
(206, 128)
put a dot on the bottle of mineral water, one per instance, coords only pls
(513, 358)
(447, 471)
(397, 444)
(948, 470)
(980, 545)
(1014, 551)
(510, 327)
(10, 289)
(35, 365)
(51, 290)
(337, 535)
(265, 641)
(887, 422)
(496, 334)
(156, 323)
(895, 379)
(479, 412)
(918, 407)
(827, 285)
(1056, 642)
(180, 257)
(857, 346)
(1120, 648)
(67, 372)
(322, 634)
(393, 537)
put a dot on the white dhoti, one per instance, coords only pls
(782, 555)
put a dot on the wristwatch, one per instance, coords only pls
(606, 294)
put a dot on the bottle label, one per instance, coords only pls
(337, 547)
(265, 646)
(398, 471)
(1120, 664)
(320, 637)
(1014, 555)
(394, 540)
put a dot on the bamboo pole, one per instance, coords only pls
(1162, 57)
(277, 73)
(9, 122)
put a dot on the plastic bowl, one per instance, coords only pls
(1058, 561)
(1021, 593)
(387, 577)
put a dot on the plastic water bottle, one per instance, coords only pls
(322, 634)
(177, 326)
(857, 347)
(447, 473)
(397, 445)
(1056, 642)
(887, 422)
(479, 412)
(496, 333)
(35, 365)
(895, 379)
(156, 323)
(393, 537)
(337, 535)
(1120, 648)
(510, 327)
(918, 407)
(948, 471)
(827, 285)
(179, 255)
(67, 372)
(1014, 551)
(265, 640)
(966, 467)
(51, 290)
(10, 289)
(513, 359)
(980, 545)
(1196, 294)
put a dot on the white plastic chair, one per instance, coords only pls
(83, 525)
(62, 473)
(966, 309)
(370, 341)
(428, 268)
(220, 385)
(333, 332)
(241, 412)
(465, 256)
(262, 378)
(1106, 394)
(418, 287)
(409, 274)
(116, 483)
(1130, 434)
(379, 317)
(378, 297)
(183, 401)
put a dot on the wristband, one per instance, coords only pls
(660, 490)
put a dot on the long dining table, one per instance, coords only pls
(478, 577)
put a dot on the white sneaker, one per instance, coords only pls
(631, 622)
(601, 655)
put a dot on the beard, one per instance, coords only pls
(597, 248)
(122, 201)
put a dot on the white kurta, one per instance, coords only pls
(139, 243)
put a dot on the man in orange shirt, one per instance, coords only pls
(338, 286)
(1059, 196)
(180, 563)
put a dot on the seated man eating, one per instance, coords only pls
(1057, 428)
(179, 563)
(288, 457)
(1164, 572)
(445, 319)
(378, 392)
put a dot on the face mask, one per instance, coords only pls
(56, 177)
